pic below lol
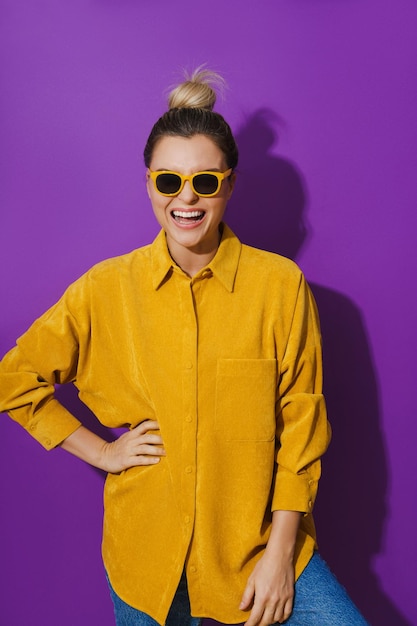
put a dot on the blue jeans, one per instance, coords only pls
(320, 600)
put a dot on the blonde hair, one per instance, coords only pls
(191, 113)
(198, 91)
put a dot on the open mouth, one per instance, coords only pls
(187, 217)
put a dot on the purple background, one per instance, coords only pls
(323, 98)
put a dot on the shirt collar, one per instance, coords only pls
(224, 265)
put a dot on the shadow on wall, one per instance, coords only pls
(268, 204)
(268, 211)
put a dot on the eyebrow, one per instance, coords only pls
(164, 169)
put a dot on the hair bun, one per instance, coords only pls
(198, 91)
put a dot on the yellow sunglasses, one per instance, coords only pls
(204, 184)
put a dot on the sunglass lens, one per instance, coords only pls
(168, 183)
(205, 184)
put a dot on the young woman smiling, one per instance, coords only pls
(209, 352)
(191, 221)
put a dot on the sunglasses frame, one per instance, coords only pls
(219, 175)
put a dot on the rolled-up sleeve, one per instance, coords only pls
(46, 355)
(303, 432)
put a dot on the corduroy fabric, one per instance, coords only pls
(229, 363)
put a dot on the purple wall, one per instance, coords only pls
(323, 101)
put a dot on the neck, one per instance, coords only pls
(192, 260)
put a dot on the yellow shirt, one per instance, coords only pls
(229, 364)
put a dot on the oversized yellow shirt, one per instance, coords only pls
(229, 363)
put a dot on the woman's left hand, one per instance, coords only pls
(270, 587)
(270, 591)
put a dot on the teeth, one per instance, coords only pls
(188, 213)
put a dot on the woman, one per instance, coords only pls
(209, 351)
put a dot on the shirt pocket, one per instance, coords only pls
(245, 399)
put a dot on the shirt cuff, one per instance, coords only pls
(52, 424)
(294, 492)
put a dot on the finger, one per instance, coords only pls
(287, 610)
(141, 436)
(143, 460)
(255, 616)
(268, 617)
(151, 439)
(283, 612)
(247, 596)
(137, 439)
(148, 450)
(143, 427)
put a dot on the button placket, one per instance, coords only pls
(189, 377)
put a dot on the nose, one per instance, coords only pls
(187, 194)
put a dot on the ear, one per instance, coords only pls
(231, 180)
(148, 182)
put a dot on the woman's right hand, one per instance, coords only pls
(135, 447)
(139, 446)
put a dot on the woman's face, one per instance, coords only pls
(190, 222)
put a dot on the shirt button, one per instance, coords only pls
(188, 418)
(187, 519)
(189, 469)
(193, 569)
(47, 442)
(188, 365)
